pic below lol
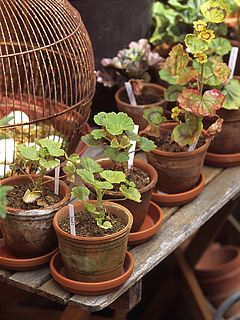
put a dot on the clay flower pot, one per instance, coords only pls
(139, 210)
(136, 112)
(177, 171)
(93, 259)
(30, 233)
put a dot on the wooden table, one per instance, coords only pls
(221, 190)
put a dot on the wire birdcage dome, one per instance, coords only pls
(47, 79)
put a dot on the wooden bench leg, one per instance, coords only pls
(71, 313)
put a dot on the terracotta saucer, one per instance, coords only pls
(89, 288)
(9, 261)
(222, 160)
(177, 199)
(151, 225)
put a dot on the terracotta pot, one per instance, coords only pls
(30, 233)
(136, 112)
(177, 171)
(93, 259)
(139, 210)
(224, 142)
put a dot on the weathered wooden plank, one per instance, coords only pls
(5, 274)
(53, 291)
(30, 280)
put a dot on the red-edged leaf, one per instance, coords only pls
(206, 105)
(187, 76)
(177, 60)
(222, 71)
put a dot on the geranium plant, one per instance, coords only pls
(109, 178)
(115, 136)
(197, 69)
(134, 62)
(42, 158)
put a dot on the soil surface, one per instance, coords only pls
(15, 198)
(136, 175)
(148, 96)
(163, 143)
(86, 225)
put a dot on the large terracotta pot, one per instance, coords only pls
(177, 171)
(93, 259)
(30, 233)
(139, 210)
(136, 112)
(226, 142)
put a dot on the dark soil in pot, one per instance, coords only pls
(148, 96)
(86, 226)
(164, 143)
(15, 198)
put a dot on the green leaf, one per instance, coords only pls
(116, 123)
(3, 191)
(99, 133)
(155, 118)
(48, 164)
(69, 169)
(53, 147)
(86, 175)
(124, 142)
(81, 193)
(106, 225)
(221, 46)
(115, 156)
(132, 136)
(105, 185)
(231, 91)
(221, 71)
(99, 118)
(130, 193)
(195, 45)
(146, 145)
(206, 105)
(113, 176)
(172, 92)
(187, 132)
(28, 152)
(115, 144)
(89, 140)
(3, 137)
(166, 76)
(31, 196)
(74, 158)
(5, 120)
(215, 11)
(91, 165)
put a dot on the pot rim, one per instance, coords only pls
(39, 212)
(154, 85)
(94, 239)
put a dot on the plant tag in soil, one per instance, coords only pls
(130, 94)
(193, 145)
(72, 220)
(133, 147)
(56, 183)
(232, 60)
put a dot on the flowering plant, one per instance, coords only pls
(196, 71)
(132, 63)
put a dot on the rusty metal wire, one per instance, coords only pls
(46, 72)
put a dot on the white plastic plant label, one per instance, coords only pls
(193, 145)
(72, 220)
(133, 147)
(130, 94)
(232, 60)
(56, 182)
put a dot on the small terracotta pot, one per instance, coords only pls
(30, 233)
(139, 210)
(225, 142)
(93, 259)
(177, 171)
(136, 112)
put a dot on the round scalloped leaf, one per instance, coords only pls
(113, 176)
(116, 123)
(131, 193)
(146, 145)
(206, 105)
(91, 165)
(81, 193)
(215, 11)
(195, 45)
(221, 71)
(221, 46)
(89, 140)
(232, 93)
(99, 118)
(172, 92)
(99, 133)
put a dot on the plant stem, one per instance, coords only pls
(201, 79)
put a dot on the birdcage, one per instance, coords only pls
(47, 76)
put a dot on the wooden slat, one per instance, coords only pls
(30, 280)
(53, 291)
(5, 274)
